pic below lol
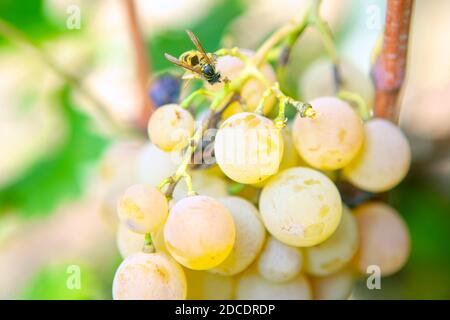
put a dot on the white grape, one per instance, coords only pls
(154, 165)
(279, 262)
(149, 276)
(204, 285)
(337, 286)
(384, 159)
(334, 253)
(252, 286)
(300, 207)
(200, 232)
(384, 238)
(170, 127)
(129, 242)
(143, 208)
(248, 148)
(250, 234)
(331, 139)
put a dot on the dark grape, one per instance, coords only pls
(164, 90)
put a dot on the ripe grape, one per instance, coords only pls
(290, 156)
(317, 80)
(384, 159)
(149, 276)
(331, 139)
(199, 232)
(253, 90)
(334, 253)
(279, 262)
(165, 90)
(129, 242)
(248, 148)
(384, 238)
(143, 208)
(170, 127)
(250, 235)
(154, 165)
(204, 183)
(300, 207)
(204, 285)
(337, 286)
(251, 286)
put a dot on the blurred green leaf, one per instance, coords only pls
(209, 30)
(59, 282)
(28, 16)
(59, 176)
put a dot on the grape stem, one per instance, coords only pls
(148, 244)
(389, 69)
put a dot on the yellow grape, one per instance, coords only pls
(129, 242)
(154, 165)
(199, 232)
(204, 285)
(149, 276)
(170, 127)
(253, 90)
(332, 139)
(384, 238)
(384, 159)
(334, 253)
(252, 286)
(248, 148)
(143, 208)
(204, 183)
(279, 262)
(337, 286)
(250, 234)
(300, 207)
(317, 80)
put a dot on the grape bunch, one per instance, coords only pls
(267, 221)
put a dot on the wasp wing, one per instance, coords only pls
(181, 64)
(198, 46)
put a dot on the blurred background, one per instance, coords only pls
(61, 163)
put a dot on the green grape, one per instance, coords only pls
(384, 159)
(170, 127)
(143, 208)
(200, 232)
(279, 262)
(248, 148)
(300, 207)
(149, 276)
(250, 234)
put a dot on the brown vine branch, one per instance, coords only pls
(390, 66)
(142, 63)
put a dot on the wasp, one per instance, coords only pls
(198, 61)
